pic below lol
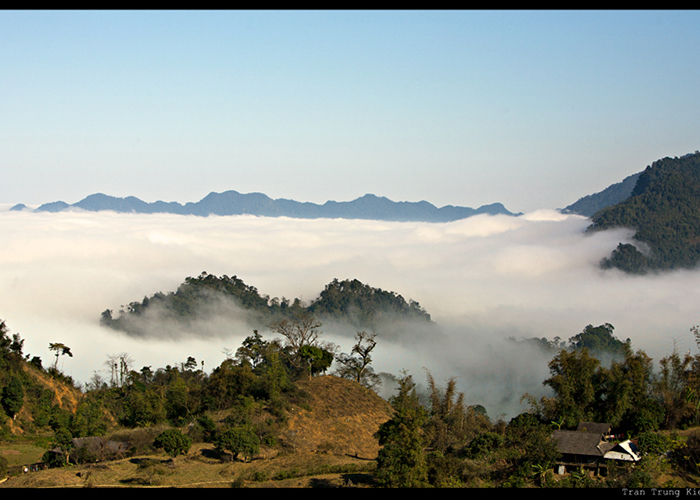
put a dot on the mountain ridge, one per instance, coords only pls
(612, 195)
(232, 202)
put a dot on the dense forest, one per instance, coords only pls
(351, 301)
(431, 437)
(664, 209)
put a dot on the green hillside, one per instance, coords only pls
(269, 416)
(664, 209)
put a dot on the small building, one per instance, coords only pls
(591, 446)
(100, 448)
(90, 449)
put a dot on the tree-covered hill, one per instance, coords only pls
(200, 298)
(363, 304)
(664, 209)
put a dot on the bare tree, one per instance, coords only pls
(120, 365)
(300, 336)
(299, 331)
(111, 363)
(357, 367)
(228, 353)
(96, 382)
(125, 366)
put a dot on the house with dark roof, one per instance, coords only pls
(592, 446)
(94, 449)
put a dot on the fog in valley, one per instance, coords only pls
(483, 280)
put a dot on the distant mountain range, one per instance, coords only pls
(661, 203)
(368, 206)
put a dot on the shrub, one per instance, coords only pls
(53, 459)
(628, 475)
(84, 455)
(483, 444)
(150, 468)
(444, 471)
(260, 476)
(688, 457)
(653, 443)
(203, 430)
(239, 440)
(173, 441)
(241, 412)
(140, 440)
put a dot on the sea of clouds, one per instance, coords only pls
(483, 280)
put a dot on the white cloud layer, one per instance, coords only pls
(482, 279)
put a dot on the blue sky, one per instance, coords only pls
(531, 109)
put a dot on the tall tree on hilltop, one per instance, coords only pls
(60, 350)
(299, 331)
(317, 359)
(252, 350)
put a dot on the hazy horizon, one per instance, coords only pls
(532, 109)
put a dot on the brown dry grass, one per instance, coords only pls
(65, 396)
(199, 470)
(341, 418)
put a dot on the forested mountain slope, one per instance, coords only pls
(664, 209)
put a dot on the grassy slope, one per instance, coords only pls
(327, 441)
